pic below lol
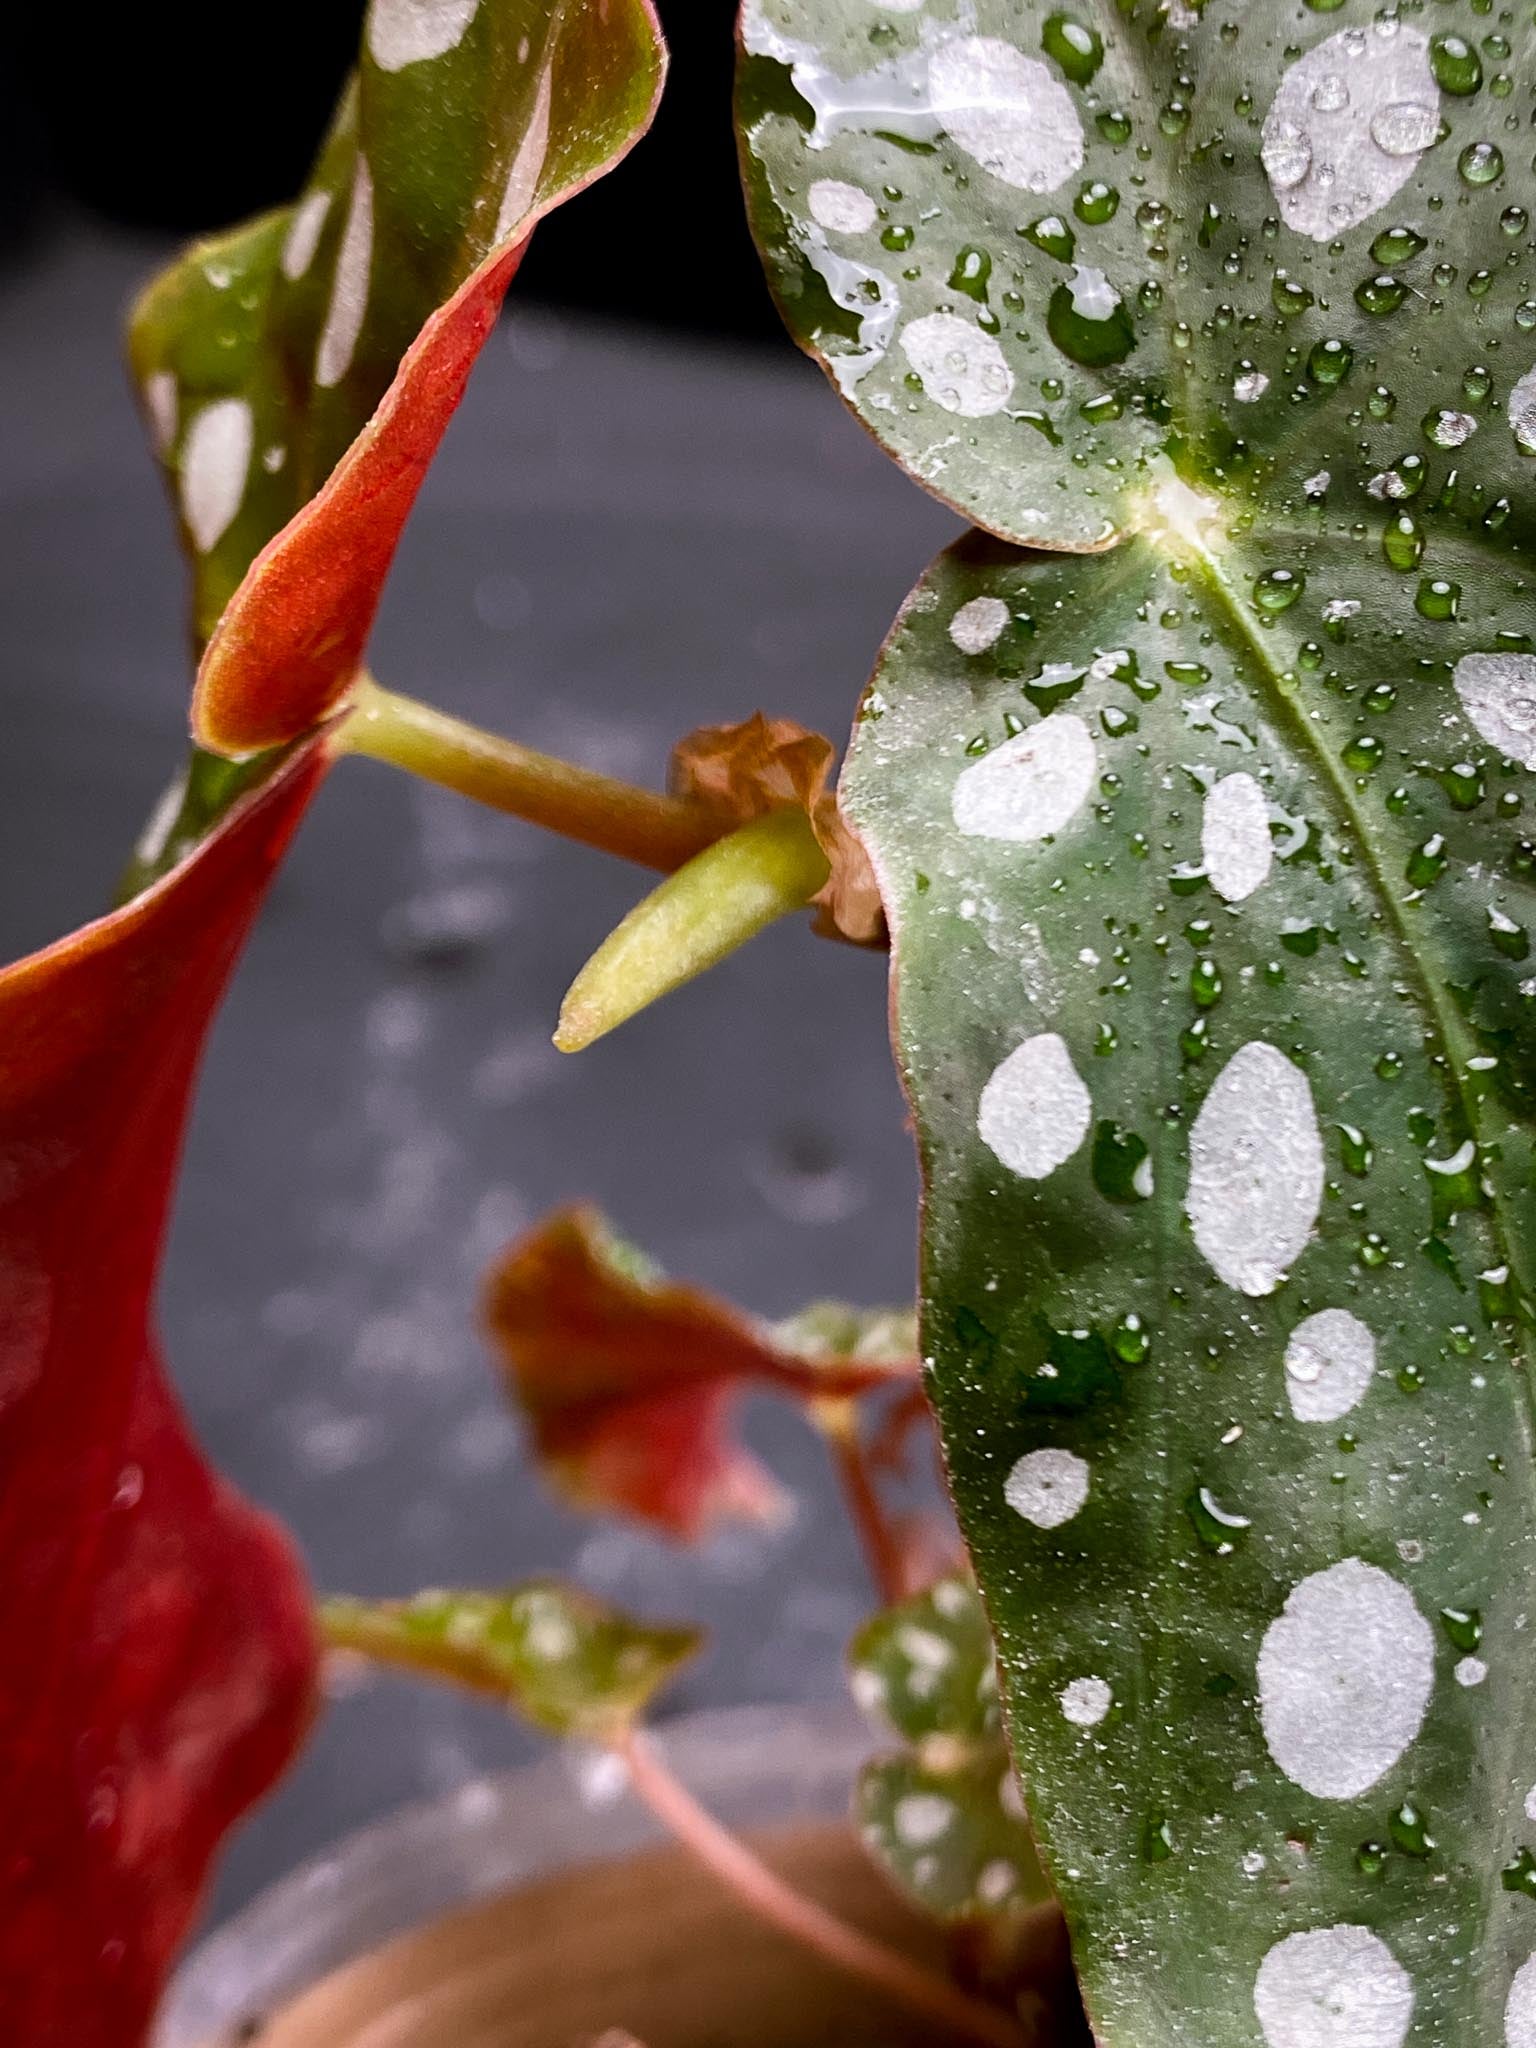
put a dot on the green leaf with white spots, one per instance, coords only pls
(925, 1668)
(558, 1657)
(261, 354)
(1207, 870)
(1036, 245)
(943, 1816)
(836, 1330)
(952, 1836)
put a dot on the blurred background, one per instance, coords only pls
(650, 513)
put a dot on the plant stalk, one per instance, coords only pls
(617, 817)
(839, 1424)
(771, 1899)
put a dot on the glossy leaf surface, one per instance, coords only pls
(1209, 896)
(1036, 245)
(557, 1656)
(629, 1380)
(159, 1661)
(299, 372)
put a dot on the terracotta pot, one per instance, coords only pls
(648, 1947)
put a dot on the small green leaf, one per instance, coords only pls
(828, 1330)
(926, 1669)
(954, 1839)
(944, 1817)
(562, 1659)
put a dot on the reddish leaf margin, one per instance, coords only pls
(292, 638)
(159, 1663)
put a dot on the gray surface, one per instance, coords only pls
(623, 537)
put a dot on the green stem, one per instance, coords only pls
(616, 817)
(724, 895)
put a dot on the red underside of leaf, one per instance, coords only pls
(159, 1662)
(629, 1384)
(292, 638)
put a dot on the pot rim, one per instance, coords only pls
(753, 1766)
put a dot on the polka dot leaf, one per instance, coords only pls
(564, 1660)
(925, 1667)
(297, 373)
(1036, 247)
(942, 1816)
(952, 1837)
(1205, 865)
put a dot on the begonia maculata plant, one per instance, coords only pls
(1188, 794)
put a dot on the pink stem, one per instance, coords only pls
(771, 1899)
(882, 1550)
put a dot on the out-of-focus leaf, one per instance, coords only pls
(762, 764)
(159, 1658)
(943, 1817)
(1211, 992)
(557, 1656)
(298, 373)
(926, 1668)
(865, 1336)
(628, 1379)
(951, 1835)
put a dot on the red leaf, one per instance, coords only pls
(629, 1379)
(158, 1663)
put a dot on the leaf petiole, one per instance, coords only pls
(617, 817)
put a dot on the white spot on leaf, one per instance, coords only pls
(1345, 1675)
(1520, 2008)
(1234, 837)
(215, 463)
(304, 233)
(1093, 296)
(961, 368)
(1471, 1671)
(920, 1818)
(1328, 1365)
(1522, 412)
(402, 32)
(1255, 1169)
(1047, 1487)
(349, 288)
(1086, 1701)
(1498, 694)
(977, 625)
(1333, 1987)
(840, 208)
(1007, 111)
(1030, 786)
(1347, 127)
(523, 178)
(1034, 1111)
